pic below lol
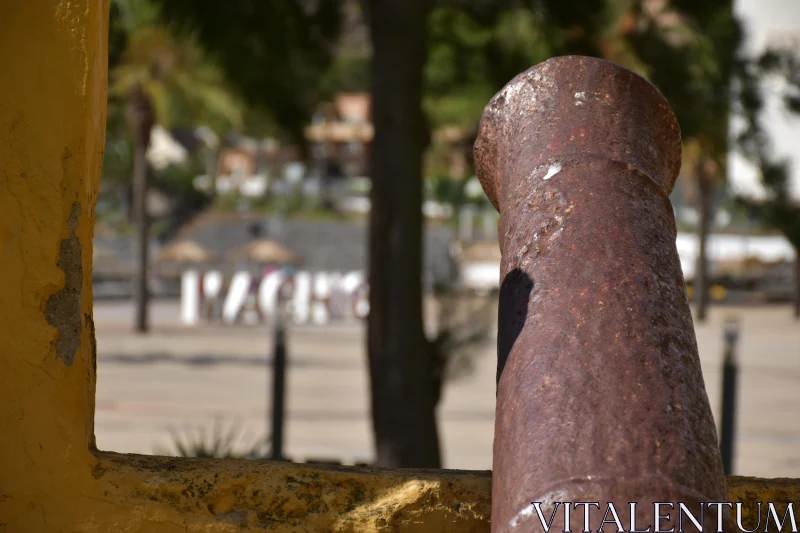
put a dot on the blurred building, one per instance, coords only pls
(238, 162)
(164, 149)
(341, 132)
(319, 245)
(215, 241)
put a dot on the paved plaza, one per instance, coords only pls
(179, 378)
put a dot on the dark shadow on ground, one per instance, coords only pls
(206, 360)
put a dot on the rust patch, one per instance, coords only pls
(63, 309)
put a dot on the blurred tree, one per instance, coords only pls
(278, 51)
(352, 54)
(690, 51)
(349, 72)
(778, 209)
(403, 402)
(117, 157)
(273, 51)
(687, 48)
(161, 80)
(475, 48)
(466, 50)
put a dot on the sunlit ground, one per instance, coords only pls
(179, 378)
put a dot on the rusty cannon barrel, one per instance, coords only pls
(600, 394)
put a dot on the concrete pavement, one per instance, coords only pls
(182, 378)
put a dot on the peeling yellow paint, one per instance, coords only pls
(52, 116)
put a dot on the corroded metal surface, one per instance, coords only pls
(600, 393)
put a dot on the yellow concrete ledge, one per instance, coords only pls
(52, 116)
(157, 494)
(244, 496)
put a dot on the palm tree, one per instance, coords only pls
(164, 80)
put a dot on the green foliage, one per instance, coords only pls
(273, 51)
(112, 208)
(291, 206)
(446, 190)
(778, 210)
(349, 72)
(184, 87)
(229, 442)
(470, 57)
(118, 155)
(477, 46)
(690, 52)
(688, 49)
(452, 191)
(176, 182)
(117, 36)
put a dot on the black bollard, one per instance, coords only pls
(278, 391)
(730, 369)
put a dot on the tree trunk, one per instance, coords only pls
(141, 292)
(701, 283)
(141, 116)
(211, 162)
(403, 407)
(797, 284)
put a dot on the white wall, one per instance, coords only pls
(485, 275)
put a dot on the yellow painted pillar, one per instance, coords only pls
(53, 65)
